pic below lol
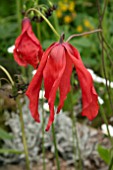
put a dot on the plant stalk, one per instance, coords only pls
(43, 130)
(47, 21)
(55, 145)
(23, 135)
(8, 75)
(83, 34)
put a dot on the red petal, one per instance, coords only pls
(34, 87)
(19, 59)
(53, 72)
(89, 95)
(27, 46)
(65, 82)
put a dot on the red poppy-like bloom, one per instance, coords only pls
(56, 69)
(27, 47)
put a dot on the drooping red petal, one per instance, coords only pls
(19, 59)
(89, 95)
(65, 82)
(29, 50)
(25, 25)
(34, 87)
(52, 76)
(35, 41)
(27, 47)
(52, 68)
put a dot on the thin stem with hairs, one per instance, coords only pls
(101, 38)
(83, 34)
(23, 134)
(47, 21)
(8, 75)
(55, 145)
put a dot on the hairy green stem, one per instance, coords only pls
(23, 135)
(55, 145)
(75, 136)
(43, 130)
(47, 21)
(38, 27)
(8, 75)
(56, 21)
(19, 17)
(101, 16)
(111, 164)
(83, 34)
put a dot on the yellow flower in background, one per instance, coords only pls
(71, 6)
(65, 0)
(79, 28)
(87, 23)
(59, 13)
(66, 10)
(67, 19)
(64, 7)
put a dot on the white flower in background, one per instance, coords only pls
(34, 72)
(10, 49)
(100, 79)
(46, 107)
(100, 100)
(41, 94)
(104, 129)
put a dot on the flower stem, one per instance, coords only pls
(56, 21)
(75, 136)
(8, 75)
(43, 130)
(111, 164)
(55, 145)
(82, 34)
(47, 21)
(23, 135)
(18, 9)
(19, 19)
(77, 143)
(101, 39)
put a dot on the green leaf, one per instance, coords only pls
(4, 134)
(10, 151)
(104, 154)
(82, 42)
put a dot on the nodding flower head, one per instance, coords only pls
(56, 68)
(28, 49)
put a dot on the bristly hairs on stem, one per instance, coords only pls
(8, 75)
(84, 33)
(101, 38)
(102, 44)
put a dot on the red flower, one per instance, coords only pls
(27, 47)
(56, 69)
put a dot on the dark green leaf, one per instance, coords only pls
(5, 135)
(104, 153)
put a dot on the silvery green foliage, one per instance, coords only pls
(63, 129)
